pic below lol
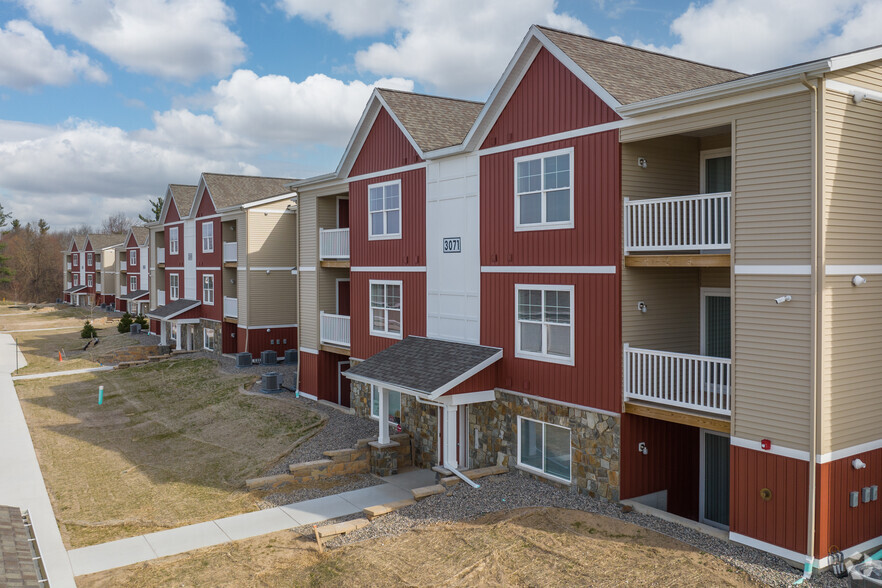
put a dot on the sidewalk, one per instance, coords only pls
(64, 373)
(115, 554)
(21, 483)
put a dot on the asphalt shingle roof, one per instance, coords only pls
(135, 295)
(17, 568)
(183, 196)
(423, 365)
(103, 240)
(174, 308)
(141, 235)
(633, 75)
(228, 190)
(433, 122)
(73, 289)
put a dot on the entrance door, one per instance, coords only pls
(342, 384)
(343, 297)
(714, 492)
(229, 337)
(343, 213)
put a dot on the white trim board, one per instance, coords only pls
(773, 270)
(307, 268)
(801, 557)
(854, 90)
(548, 269)
(592, 130)
(850, 270)
(292, 326)
(849, 451)
(775, 450)
(390, 269)
(308, 395)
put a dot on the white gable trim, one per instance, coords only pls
(198, 200)
(398, 122)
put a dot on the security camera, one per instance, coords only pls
(782, 299)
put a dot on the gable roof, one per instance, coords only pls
(229, 191)
(141, 235)
(103, 241)
(80, 242)
(182, 195)
(434, 122)
(632, 75)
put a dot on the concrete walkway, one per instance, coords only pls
(21, 482)
(116, 554)
(70, 328)
(104, 368)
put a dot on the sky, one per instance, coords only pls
(103, 103)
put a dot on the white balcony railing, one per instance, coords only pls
(335, 329)
(231, 252)
(695, 382)
(68, 266)
(699, 222)
(97, 287)
(231, 307)
(160, 298)
(334, 243)
(160, 255)
(68, 286)
(122, 265)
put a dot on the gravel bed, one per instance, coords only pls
(330, 487)
(515, 490)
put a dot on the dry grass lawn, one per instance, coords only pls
(526, 547)
(172, 445)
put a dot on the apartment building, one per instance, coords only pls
(88, 270)
(132, 268)
(640, 276)
(226, 257)
(105, 276)
(74, 271)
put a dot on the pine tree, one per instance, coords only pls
(155, 208)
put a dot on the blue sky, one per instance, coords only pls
(105, 102)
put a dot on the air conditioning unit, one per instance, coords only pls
(269, 382)
(290, 357)
(268, 357)
(243, 360)
(135, 329)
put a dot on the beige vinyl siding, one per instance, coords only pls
(272, 239)
(309, 230)
(327, 299)
(853, 180)
(671, 322)
(772, 360)
(852, 404)
(867, 75)
(672, 168)
(715, 277)
(327, 212)
(272, 298)
(309, 311)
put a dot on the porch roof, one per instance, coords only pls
(135, 295)
(424, 367)
(74, 289)
(173, 309)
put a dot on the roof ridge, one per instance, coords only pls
(244, 176)
(631, 47)
(422, 94)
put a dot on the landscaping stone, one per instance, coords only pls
(373, 512)
(426, 491)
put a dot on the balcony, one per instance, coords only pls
(68, 266)
(160, 298)
(334, 247)
(697, 224)
(231, 252)
(98, 287)
(123, 290)
(335, 330)
(231, 307)
(694, 382)
(160, 256)
(122, 265)
(68, 286)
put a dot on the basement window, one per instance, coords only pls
(208, 339)
(544, 449)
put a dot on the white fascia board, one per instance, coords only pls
(271, 199)
(852, 90)
(313, 180)
(469, 398)
(856, 58)
(438, 392)
(198, 199)
(359, 134)
(401, 126)
(165, 204)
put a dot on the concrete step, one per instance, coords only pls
(373, 512)
(323, 533)
(426, 491)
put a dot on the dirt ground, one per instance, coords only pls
(172, 444)
(526, 547)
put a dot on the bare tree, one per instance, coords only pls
(117, 223)
(35, 260)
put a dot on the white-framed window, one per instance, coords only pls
(89, 259)
(89, 280)
(386, 308)
(173, 240)
(174, 290)
(544, 449)
(133, 258)
(207, 289)
(384, 210)
(76, 259)
(544, 191)
(394, 404)
(76, 278)
(208, 339)
(173, 331)
(544, 323)
(133, 283)
(207, 237)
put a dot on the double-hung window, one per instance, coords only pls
(133, 258)
(76, 278)
(208, 289)
(544, 323)
(394, 408)
(89, 281)
(208, 339)
(386, 309)
(76, 259)
(133, 283)
(173, 241)
(384, 210)
(544, 449)
(544, 191)
(89, 259)
(173, 286)
(207, 237)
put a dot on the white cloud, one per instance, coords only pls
(460, 47)
(350, 18)
(179, 39)
(28, 60)
(756, 35)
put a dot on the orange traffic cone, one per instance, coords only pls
(59, 356)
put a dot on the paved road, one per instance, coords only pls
(21, 483)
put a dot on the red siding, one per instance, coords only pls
(215, 311)
(596, 238)
(595, 380)
(413, 292)
(133, 270)
(837, 523)
(548, 100)
(308, 369)
(206, 206)
(177, 259)
(259, 340)
(172, 215)
(155, 326)
(328, 383)
(410, 249)
(486, 379)
(214, 258)
(131, 242)
(780, 521)
(385, 147)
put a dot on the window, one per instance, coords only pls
(544, 323)
(76, 259)
(173, 289)
(544, 448)
(89, 259)
(544, 191)
(173, 241)
(384, 210)
(208, 339)
(386, 309)
(89, 281)
(133, 283)
(394, 404)
(133, 258)
(173, 332)
(208, 289)
(76, 279)
(207, 237)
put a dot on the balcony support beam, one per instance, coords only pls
(679, 260)
(680, 417)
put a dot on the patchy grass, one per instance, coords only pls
(172, 445)
(526, 547)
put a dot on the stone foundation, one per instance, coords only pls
(364, 457)
(595, 439)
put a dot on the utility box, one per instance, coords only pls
(290, 357)
(135, 329)
(268, 357)
(269, 382)
(243, 360)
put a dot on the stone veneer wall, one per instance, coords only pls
(595, 439)
(198, 337)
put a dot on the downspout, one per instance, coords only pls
(447, 465)
(247, 277)
(817, 308)
(296, 201)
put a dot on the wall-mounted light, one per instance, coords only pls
(783, 299)
(267, 330)
(858, 97)
(641, 161)
(267, 272)
(641, 447)
(858, 464)
(858, 281)
(232, 280)
(641, 306)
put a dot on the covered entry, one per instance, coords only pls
(176, 322)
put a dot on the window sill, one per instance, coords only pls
(386, 335)
(546, 358)
(541, 474)
(383, 237)
(539, 227)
